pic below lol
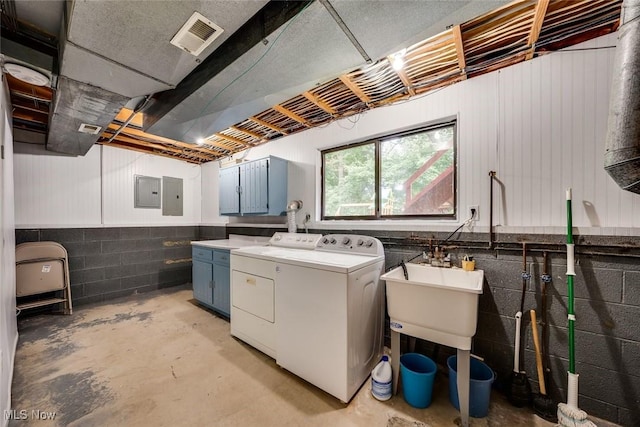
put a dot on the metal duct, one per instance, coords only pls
(622, 157)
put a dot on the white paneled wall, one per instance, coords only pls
(540, 125)
(118, 171)
(55, 190)
(553, 123)
(96, 189)
(210, 205)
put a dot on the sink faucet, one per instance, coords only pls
(440, 258)
(437, 257)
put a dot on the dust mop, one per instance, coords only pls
(569, 415)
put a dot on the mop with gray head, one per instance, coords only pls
(570, 416)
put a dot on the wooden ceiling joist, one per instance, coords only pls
(156, 146)
(143, 135)
(255, 135)
(124, 114)
(20, 88)
(31, 105)
(319, 102)
(457, 39)
(232, 139)
(402, 75)
(538, 19)
(355, 89)
(293, 116)
(220, 143)
(268, 125)
(31, 116)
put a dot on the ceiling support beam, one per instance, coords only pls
(402, 75)
(136, 133)
(267, 125)
(232, 139)
(123, 139)
(219, 144)
(293, 116)
(271, 17)
(355, 89)
(536, 26)
(256, 135)
(125, 114)
(457, 39)
(319, 103)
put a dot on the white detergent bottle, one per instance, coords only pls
(381, 380)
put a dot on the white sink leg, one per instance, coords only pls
(395, 359)
(463, 385)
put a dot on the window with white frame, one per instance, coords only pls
(410, 174)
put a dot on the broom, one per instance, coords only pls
(569, 415)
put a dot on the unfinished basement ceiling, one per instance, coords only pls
(287, 68)
(308, 50)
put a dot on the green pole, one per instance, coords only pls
(570, 273)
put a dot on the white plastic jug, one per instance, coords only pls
(381, 380)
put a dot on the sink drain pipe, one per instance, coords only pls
(622, 155)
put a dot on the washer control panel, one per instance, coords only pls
(295, 240)
(351, 243)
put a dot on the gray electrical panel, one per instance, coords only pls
(147, 192)
(171, 196)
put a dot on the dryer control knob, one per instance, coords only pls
(333, 241)
(346, 241)
(369, 243)
(360, 242)
(325, 241)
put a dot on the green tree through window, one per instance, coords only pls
(413, 176)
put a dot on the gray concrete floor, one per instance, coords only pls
(158, 359)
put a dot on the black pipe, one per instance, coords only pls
(492, 175)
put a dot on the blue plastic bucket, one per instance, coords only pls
(481, 377)
(418, 373)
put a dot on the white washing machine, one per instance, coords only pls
(328, 320)
(253, 292)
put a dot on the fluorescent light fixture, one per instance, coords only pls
(200, 141)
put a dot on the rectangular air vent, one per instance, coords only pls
(90, 129)
(198, 33)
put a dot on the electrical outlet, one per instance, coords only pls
(473, 212)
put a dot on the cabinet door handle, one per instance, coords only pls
(211, 284)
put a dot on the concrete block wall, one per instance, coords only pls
(607, 306)
(107, 263)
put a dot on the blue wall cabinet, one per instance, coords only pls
(229, 191)
(211, 284)
(260, 188)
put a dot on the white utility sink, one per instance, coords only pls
(439, 305)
